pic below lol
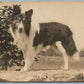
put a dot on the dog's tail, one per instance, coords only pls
(70, 47)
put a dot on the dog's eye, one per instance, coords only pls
(14, 28)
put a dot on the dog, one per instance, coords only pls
(31, 37)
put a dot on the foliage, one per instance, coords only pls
(8, 51)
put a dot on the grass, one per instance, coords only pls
(48, 68)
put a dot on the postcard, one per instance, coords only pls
(41, 41)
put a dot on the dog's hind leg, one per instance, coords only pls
(63, 51)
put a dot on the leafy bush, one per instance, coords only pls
(8, 51)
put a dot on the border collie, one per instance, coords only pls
(31, 37)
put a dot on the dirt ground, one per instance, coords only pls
(48, 68)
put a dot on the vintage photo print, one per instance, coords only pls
(41, 41)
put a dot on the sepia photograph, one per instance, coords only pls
(41, 41)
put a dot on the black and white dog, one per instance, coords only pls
(31, 37)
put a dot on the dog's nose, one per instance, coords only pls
(20, 30)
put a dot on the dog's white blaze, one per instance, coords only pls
(60, 47)
(20, 26)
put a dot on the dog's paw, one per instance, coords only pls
(65, 68)
(25, 69)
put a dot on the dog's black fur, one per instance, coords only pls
(52, 32)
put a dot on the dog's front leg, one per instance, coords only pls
(28, 58)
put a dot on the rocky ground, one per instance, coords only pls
(48, 68)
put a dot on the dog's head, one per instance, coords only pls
(21, 23)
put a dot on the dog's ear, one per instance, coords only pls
(29, 13)
(16, 10)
